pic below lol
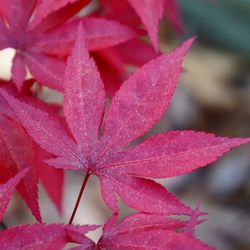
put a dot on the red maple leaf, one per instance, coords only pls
(18, 151)
(123, 170)
(41, 237)
(144, 231)
(150, 12)
(39, 32)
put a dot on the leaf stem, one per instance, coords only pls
(85, 180)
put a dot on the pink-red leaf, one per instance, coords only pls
(46, 130)
(3, 35)
(16, 154)
(150, 12)
(140, 194)
(145, 232)
(17, 151)
(172, 154)
(45, 69)
(111, 68)
(173, 14)
(42, 237)
(7, 189)
(142, 99)
(155, 239)
(17, 20)
(82, 82)
(142, 52)
(59, 17)
(136, 107)
(141, 222)
(46, 7)
(121, 11)
(111, 62)
(99, 33)
(41, 31)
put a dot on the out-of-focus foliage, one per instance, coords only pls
(224, 23)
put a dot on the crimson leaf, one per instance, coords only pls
(149, 11)
(143, 231)
(35, 28)
(173, 15)
(136, 107)
(41, 236)
(18, 151)
(15, 155)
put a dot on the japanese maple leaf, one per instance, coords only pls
(18, 151)
(7, 189)
(36, 30)
(13, 142)
(41, 236)
(150, 13)
(123, 170)
(144, 231)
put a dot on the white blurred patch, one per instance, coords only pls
(6, 57)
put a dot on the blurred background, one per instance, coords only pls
(213, 96)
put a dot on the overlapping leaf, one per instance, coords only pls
(111, 62)
(51, 178)
(41, 236)
(173, 15)
(42, 35)
(15, 155)
(7, 189)
(150, 13)
(17, 152)
(100, 33)
(143, 231)
(36, 28)
(136, 107)
(51, 13)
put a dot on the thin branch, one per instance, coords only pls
(85, 180)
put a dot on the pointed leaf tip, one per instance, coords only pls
(80, 43)
(186, 45)
(80, 31)
(150, 13)
(8, 188)
(79, 34)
